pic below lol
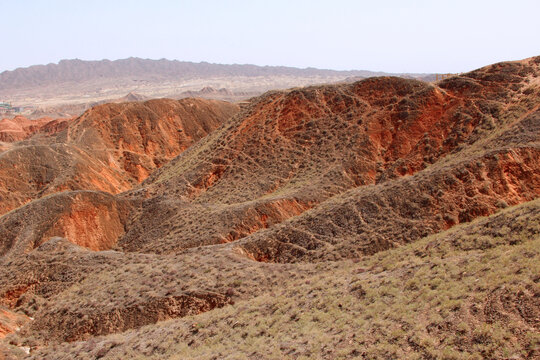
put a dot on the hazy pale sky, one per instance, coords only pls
(386, 35)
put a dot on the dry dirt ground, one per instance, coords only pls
(387, 218)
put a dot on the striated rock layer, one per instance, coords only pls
(109, 148)
(305, 146)
(294, 178)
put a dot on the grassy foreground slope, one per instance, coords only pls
(471, 292)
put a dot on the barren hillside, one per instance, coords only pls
(110, 147)
(469, 292)
(387, 218)
(291, 151)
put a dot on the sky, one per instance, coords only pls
(438, 36)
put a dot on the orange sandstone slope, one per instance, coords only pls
(20, 128)
(364, 221)
(110, 147)
(319, 173)
(290, 151)
(91, 219)
(10, 321)
(140, 137)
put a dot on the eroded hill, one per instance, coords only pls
(20, 128)
(291, 151)
(110, 147)
(343, 218)
(469, 292)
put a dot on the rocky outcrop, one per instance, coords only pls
(119, 320)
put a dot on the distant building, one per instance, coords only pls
(6, 108)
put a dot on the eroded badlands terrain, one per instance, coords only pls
(386, 218)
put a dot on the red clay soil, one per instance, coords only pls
(29, 172)
(10, 321)
(91, 219)
(311, 174)
(20, 128)
(308, 145)
(109, 148)
(140, 137)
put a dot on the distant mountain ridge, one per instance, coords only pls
(150, 70)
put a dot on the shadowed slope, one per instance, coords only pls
(75, 294)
